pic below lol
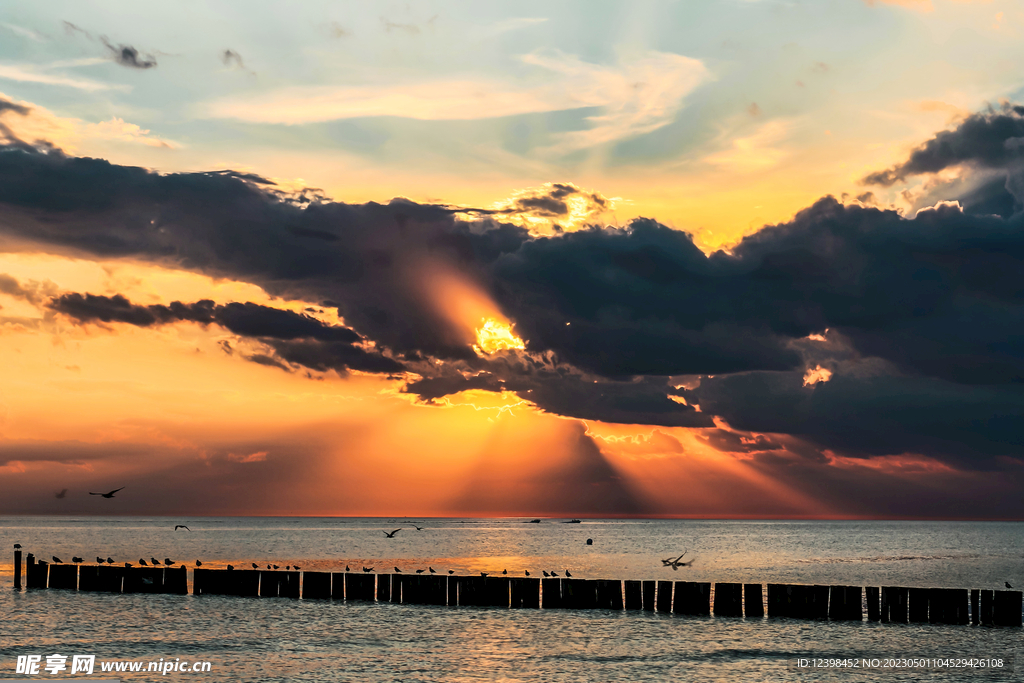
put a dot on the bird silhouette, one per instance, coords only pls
(347, 569)
(367, 569)
(450, 572)
(288, 567)
(198, 563)
(504, 571)
(483, 574)
(268, 566)
(76, 560)
(527, 572)
(155, 561)
(99, 560)
(397, 570)
(43, 562)
(568, 574)
(127, 565)
(143, 562)
(255, 566)
(181, 526)
(17, 545)
(61, 493)
(418, 528)
(168, 562)
(57, 560)
(276, 567)
(554, 573)
(108, 494)
(431, 570)
(110, 561)
(230, 567)
(1007, 583)
(296, 567)
(392, 534)
(420, 571)
(545, 574)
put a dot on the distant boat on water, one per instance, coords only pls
(573, 521)
(534, 521)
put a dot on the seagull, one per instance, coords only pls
(100, 560)
(431, 570)
(110, 561)
(296, 567)
(77, 559)
(127, 565)
(61, 493)
(483, 574)
(397, 570)
(198, 563)
(418, 528)
(450, 572)
(109, 494)
(230, 567)
(367, 570)
(527, 572)
(57, 560)
(504, 571)
(17, 545)
(1007, 583)
(554, 573)
(347, 569)
(143, 562)
(545, 574)
(420, 571)
(568, 574)
(181, 526)
(268, 566)
(255, 566)
(392, 534)
(168, 562)
(276, 567)
(43, 562)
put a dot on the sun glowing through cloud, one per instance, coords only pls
(493, 336)
(817, 374)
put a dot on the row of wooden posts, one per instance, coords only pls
(842, 603)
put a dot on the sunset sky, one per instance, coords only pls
(742, 258)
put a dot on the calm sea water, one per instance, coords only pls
(288, 640)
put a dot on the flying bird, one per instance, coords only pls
(57, 560)
(392, 534)
(61, 493)
(181, 526)
(1007, 583)
(109, 494)
(418, 528)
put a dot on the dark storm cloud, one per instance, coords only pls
(607, 314)
(992, 139)
(549, 201)
(295, 337)
(7, 105)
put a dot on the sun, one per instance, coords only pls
(493, 336)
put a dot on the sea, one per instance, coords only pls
(278, 639)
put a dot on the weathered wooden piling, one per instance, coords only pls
(389, 588)
(873, 597)
(634, 595)
(436, 589)
(728, 600)
(579, 593)
(1006, 606)
(338, 582)
(918, 602)
(798, 601)
(525, 593)
(947, 606)
(844, 603)
(753, 601)
(360, 587)
(664, 597)
(453, 591)
(975, 607)
(609, 594)
(17, 569)
(238, 582)
(316, 585)
(279, 584)
(692, 598)
(144, 580)
(63, 576)
(100, 579)
(985, 612)
(35, 573)
(496, 590)
(649, 592)
(894, 604)
(551, 590)
(175, 580)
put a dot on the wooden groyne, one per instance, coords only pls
(886, 604)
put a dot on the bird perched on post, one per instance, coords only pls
(431, 570)
(198, 563)
(76, 560)
(17, 545)
(420, 571)
(99, 560)
(156, 562)
(546, 575)
(110, 561)
(57, 560)
(230, 567)
(527, 572)
(367, 570)
(255, 566)
(450, 572)
(568, 574)
(397, 570)
(143, 562)
(504, 571)
(127, 565)
(347, 569)
(1007, 584)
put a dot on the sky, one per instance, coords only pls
(736, 259)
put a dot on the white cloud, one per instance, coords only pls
(636, 96)
(30, 74)
(756, 152)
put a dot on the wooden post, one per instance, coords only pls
(360, 587)
(496, 591)
(873, 594)
(728, 600)
(692, 598)
(525, 593)
(1006, 608)
(35, 573)
(985, 613)
(609, 594)
(63, 576)
(975, 607)
(385, 585)
(175, 580)
(316, 585)
(664, 597)
(338, 580)
(551, 590)
(918, 601)
(17, 569)
(753, 602)
(648, 589)
(779, 600)
(844, 603)
(894, 604)
(634, 595)
(453, 591)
